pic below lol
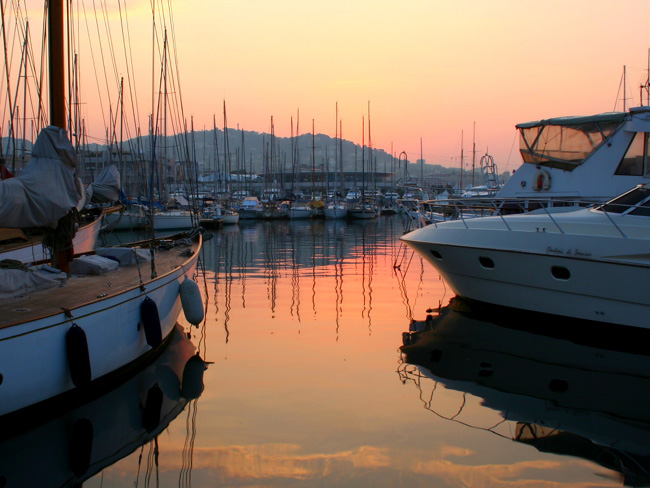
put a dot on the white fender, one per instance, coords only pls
(191, 301)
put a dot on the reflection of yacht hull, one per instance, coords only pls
(71, 447)
(549, 386)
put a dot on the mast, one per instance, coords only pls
(421, 165)
(313, 159)
(57, 62)
(473, 152)
(462, 149)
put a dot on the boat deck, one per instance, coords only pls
(82, 290)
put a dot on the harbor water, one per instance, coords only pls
(319, 367)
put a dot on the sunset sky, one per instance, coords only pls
(429, 69)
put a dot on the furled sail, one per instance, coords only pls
(47, 188)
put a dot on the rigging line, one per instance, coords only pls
(129, 62)
(4, 42)
(176, 63)
(92, 56)
(107, 28)
(103, 61)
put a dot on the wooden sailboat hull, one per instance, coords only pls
(35, 363)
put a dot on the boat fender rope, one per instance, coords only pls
(151, 322)
(78, 356)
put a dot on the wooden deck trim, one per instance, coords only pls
(80, 291)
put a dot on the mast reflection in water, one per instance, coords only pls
(309, 386)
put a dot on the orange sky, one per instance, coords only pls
(430, 69)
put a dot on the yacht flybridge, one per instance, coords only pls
(589, 159)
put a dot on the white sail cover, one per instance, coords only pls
(47, 187)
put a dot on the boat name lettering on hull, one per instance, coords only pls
(568, 252)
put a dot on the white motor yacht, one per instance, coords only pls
(585, 263)
(575, 160)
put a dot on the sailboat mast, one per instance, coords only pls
(57, 62)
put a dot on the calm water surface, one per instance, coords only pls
(307, 384)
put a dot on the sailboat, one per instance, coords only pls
(363, 210)
(64, 332)
(337, 208)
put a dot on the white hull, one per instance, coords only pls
(172, 221)
(363, 212)
(247, 214)
(587, 271)
(230, 219)
(337, 212)
(125, 221)
(33, 357)
(299, 213)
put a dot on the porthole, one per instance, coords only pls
(487, 263)
(436, 254)
(558, 385)
(1, 379)
(560, 273)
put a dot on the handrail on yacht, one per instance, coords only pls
(495, 206)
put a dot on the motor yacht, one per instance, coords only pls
(582, 263)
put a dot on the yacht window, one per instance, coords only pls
(642, 210)
(562, 145)
(436, 254)
(635, 161)
(626, 200)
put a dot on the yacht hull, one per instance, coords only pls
(532, 266)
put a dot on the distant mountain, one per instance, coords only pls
(251, 152)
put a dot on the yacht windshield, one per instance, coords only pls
(626, 200)
(565, 142)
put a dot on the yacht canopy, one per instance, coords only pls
(565, 142)
(608, 117)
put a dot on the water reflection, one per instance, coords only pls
(305, 254)
(585, 396)
(81, 442)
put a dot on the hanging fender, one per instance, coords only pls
(542, 180)
(78, 354)
(191, 301)
(151, 322)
